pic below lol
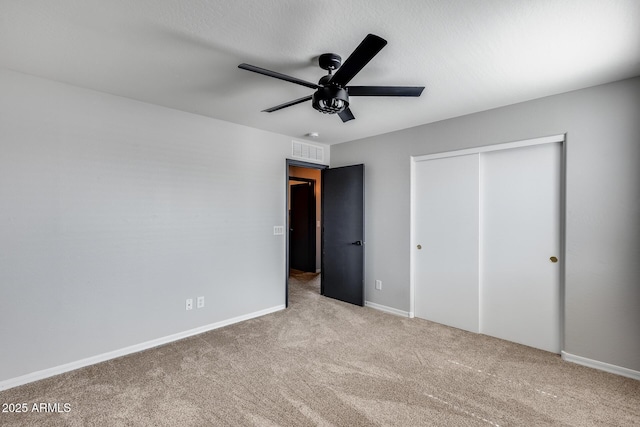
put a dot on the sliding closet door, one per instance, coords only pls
(446, 241)
(520, 245)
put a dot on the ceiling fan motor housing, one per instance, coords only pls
(330, 99)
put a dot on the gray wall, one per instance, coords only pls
(113, 212)
(602, 282)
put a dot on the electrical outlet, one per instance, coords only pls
(379, 285)
(189, 304)
(200, 302)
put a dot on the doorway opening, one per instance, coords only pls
(302, 224)
(304, 221)
(339, 229)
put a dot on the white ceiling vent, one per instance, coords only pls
(302, 150)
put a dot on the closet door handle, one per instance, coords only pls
(357, 243)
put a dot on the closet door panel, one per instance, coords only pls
(520, 237)
(446, 241)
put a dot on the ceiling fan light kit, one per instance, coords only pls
(330, 99)
(331, 94)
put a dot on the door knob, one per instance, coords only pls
(419, 246)
(553, 259)
(357, 243)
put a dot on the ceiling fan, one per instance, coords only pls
(332, 93)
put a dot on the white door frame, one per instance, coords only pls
(561, 138)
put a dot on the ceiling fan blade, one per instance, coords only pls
(366, 50)
(346, 115)
(385, 90)
(277, 75)
(287, 104)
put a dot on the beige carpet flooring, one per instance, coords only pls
(322, 362)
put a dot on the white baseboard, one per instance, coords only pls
(595, 364)
(46, 373)
(386, 309)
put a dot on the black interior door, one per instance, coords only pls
(302, 218)
(343, 234)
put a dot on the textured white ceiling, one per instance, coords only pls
(470, 55)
